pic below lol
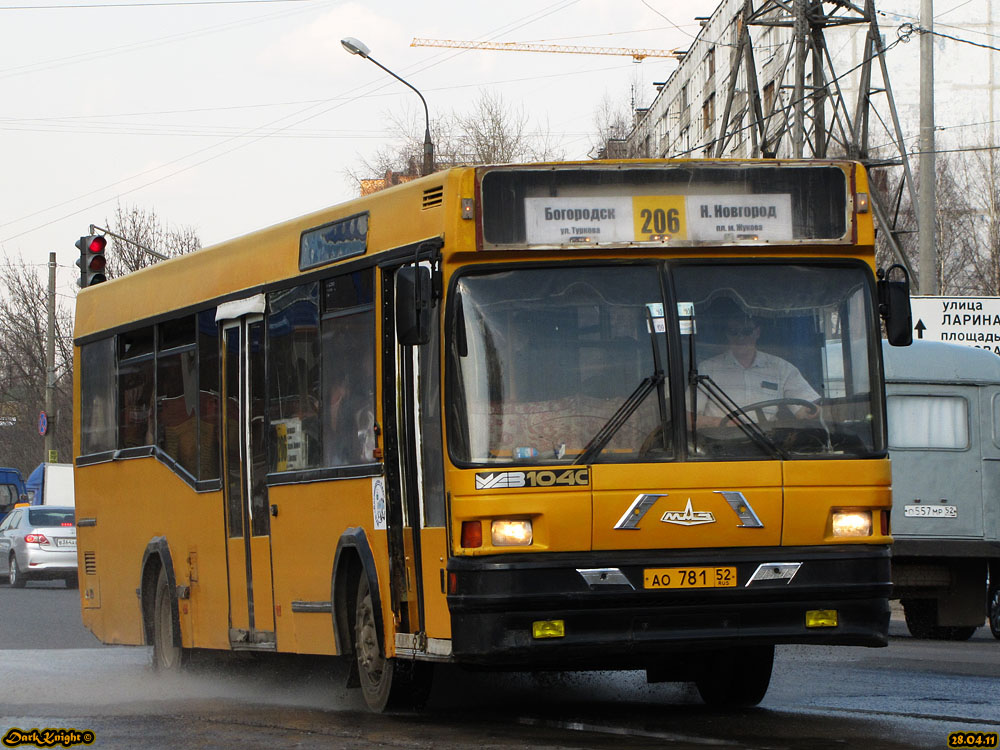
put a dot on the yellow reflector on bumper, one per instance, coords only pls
(548, 629)
(821, 618)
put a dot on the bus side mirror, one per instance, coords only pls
(413, 305)
(894, 306)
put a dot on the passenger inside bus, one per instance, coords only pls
(349, 419)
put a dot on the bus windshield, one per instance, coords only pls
(554, 366)
(545, 357)
(779, 361)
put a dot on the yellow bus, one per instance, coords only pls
(566, 416)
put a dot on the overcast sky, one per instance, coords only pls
(231, 116)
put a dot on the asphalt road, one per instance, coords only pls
(53, 673)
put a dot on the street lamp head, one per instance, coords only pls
(355, 46)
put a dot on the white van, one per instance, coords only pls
(943, 410)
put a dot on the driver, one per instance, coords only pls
(749, 376)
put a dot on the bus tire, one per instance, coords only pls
(736, 677)
(167, 655)
(994, 613)
(387, 684)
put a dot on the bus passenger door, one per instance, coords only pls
(415, 483)
(248, 548)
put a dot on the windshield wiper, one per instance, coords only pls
(735, 413)
(619, 418)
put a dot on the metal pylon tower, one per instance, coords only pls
(817, 120)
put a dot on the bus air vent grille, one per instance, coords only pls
(90, 563)
(433, 197)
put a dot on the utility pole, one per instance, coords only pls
(50, 360)
(928, 273)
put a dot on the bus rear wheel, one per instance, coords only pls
(736, 677)
(387, 684)
(167, 656)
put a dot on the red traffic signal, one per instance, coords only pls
(92, 261)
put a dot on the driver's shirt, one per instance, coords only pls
(768, 377)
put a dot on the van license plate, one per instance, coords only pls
(689, 578)
(930, 511)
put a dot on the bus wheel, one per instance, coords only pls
(994, 614)
(387, 684)
(166, 655)
(731, 678)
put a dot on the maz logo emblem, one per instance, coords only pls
(689, 516)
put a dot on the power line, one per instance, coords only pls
(538, 15)
(154, 4)
(907, 29)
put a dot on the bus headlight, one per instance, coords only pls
(509, 533)
(848, 523)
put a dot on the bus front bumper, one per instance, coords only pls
(614, 622)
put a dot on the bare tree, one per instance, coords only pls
(957, 237)
(492, 132)
(143, 228)
(496, 133)
(612, 123)
(23, 371)
(980, 175)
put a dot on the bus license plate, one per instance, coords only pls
(689, 578)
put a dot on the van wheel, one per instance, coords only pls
(167, 656)
(736, 677)
(387, 684)
(994, 614)
(922, 622)
(921, 618)
(15, 575)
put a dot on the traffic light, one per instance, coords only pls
(92, 260)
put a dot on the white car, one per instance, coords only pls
(39, 543)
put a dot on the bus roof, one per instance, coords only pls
(939, 362)
(247, 263)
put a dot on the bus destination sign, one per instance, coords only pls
(652, 218)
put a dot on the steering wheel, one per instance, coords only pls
(758, 408)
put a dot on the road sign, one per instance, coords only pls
(43, 423)
(972, 321)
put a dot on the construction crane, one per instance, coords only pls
(636, 54)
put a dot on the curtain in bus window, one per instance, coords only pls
(928, 422)
(294, 379)
(176, 407)
(97, 396)
(177, 392)
(349, 388)
(135, 386)
(208, 395)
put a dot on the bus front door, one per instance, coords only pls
(415, 485)
(248, 547)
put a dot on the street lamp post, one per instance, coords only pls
(357, 47)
